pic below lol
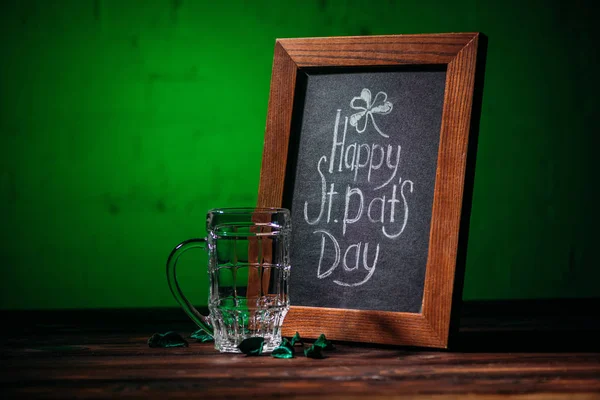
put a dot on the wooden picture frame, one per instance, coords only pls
(458, 53)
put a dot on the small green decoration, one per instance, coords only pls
(252, 346)
(323, 343)
(165, 340)
(314, 352)
(296, 339)
(201, 336)
(285, 342)
(284, 350)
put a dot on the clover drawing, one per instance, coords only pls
(380, 105)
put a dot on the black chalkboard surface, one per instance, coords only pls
(363, 187)
(366, 142)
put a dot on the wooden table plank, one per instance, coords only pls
(71, 354)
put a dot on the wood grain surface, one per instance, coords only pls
(95, 354)
(381, 50)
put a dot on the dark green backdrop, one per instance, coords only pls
(122, 122)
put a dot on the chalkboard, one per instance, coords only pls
(366, 142)
(363, 187)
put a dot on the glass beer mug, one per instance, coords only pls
(248, 270)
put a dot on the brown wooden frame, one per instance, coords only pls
(458, 52)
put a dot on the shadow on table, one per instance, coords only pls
(549, 325)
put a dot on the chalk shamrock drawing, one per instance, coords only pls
(380, 105)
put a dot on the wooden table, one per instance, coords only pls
(104, 353)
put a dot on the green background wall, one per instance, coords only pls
(122, 122)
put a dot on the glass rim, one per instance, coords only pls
(248, 210)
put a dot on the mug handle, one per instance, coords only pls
(200, 320)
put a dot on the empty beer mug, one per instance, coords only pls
(248, 270)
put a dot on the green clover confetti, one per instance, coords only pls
(314, 352)
(285, 342)
(166, 340)
(284, 350)
(296, 339)
(252, 346)
(323, 343)
(201, 336)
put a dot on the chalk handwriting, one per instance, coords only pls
(381, 197)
